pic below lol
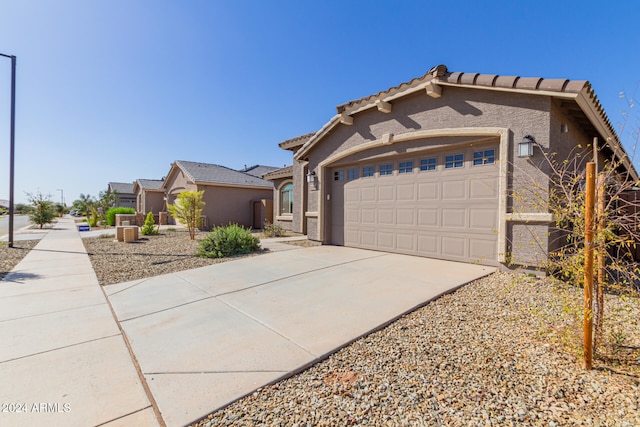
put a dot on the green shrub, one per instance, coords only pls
(111, 214)
(228, 241)
(149, 225)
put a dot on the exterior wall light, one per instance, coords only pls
(311, 177)
(525, 147)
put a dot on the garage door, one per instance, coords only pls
(441, 205)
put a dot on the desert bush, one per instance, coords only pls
(149, 226)
(273, 230)
(42, 209)
(110, 217)
(228, 241)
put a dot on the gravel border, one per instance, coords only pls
(168, 252)
(10, 257)
(496, 352)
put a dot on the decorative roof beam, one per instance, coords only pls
(433, 90)
(346, 119)
(383, 106)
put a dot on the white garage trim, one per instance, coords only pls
(387, 139)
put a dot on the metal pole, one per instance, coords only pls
(588, 265)
(12, 144)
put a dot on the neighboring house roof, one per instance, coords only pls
(294, 143)
(205, 173)
(258, 170)
(121, 187)
(285, 172)
(148, 184)
(577, 96)
(4, 203)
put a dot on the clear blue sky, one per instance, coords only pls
(116, 90)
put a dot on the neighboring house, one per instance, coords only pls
(149, 196)
(4, 204)
(230, 196)
(428, 167)
(258, 170)
(125, 196)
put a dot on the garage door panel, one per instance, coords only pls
(352, 216)
(368, 238)
(386, 216)
(406, 192)
(455, 217)
(385, 240)
(368, 216)
(428, 245)
(483, 218)
(352, 238)
(352, 195)
(405, 242)
(483, 249)
(428, 191)
(483, 188)
(406, 217)
(386, 193)
(454, 246)
(368, 194)
(454, 190)
(429, 217)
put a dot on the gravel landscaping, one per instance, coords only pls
(168, 252)
(10, 257)
(502, 351)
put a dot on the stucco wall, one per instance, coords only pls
(458, 107)
(282, 221)
(177, 183)
(153, 202)
(226, 205)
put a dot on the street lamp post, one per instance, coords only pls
(12, 143)
(61, 196)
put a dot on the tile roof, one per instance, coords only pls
(590, 111)
(284, 172)
(258, 170)
(150, 184)
(295, 143)
(121, 187)
(215, 174)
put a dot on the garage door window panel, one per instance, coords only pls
(428, 164)
(338, 176)
(405, 167)
(454, 161)
(352, 174)
(486, 157)
(386, 169)
(368, 171)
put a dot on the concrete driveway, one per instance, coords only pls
(206, 337)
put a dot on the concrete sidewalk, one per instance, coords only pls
(63, 359)
(206, 337)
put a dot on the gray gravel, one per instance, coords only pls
(10, 257)
(502, 351)
(167, 252)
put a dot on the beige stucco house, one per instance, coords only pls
(125, 196)
(430, 167)
(149, 196)
(231, 196)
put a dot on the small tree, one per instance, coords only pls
(106, 200)
(149, 225)
(43, 210)
(188, 209)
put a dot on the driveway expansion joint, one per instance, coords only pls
(52, 312)
(60, 348)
